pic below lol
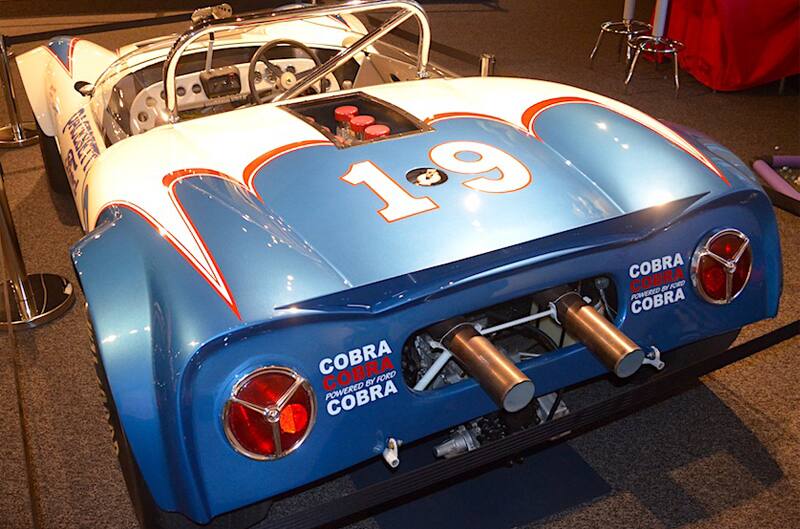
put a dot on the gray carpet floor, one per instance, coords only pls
(725, 454)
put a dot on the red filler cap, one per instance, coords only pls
(345, 113)
(376, 131)
(359, 123)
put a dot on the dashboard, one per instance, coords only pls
(203, 93)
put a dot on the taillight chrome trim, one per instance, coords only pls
(271, 414)
(704, 250)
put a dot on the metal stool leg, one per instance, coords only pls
(632, 66)
(625, 29)
(629, 49)
(596, 46)
(35, 298)
(16, 134)
(659, 47)
(675, 65)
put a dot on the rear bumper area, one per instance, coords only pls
(684, 366)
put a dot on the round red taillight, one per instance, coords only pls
(721, 266)
(270, 413)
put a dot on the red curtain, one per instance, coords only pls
(736, 44)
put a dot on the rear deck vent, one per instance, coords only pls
(321, 114)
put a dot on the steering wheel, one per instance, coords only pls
(283, 79)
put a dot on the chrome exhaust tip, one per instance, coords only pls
(610, 345)
(502, 380)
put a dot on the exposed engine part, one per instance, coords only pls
(391, 454)
(618, 352)
(463, 439)
(551, 407)
(509, 387)
(467, 437)
(602, 283)
(433, 360)
(522, 329)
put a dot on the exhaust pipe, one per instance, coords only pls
(609, 344)
(508, 387)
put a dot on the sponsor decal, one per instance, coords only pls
(657, 282)
(358, 377)
(84, 149)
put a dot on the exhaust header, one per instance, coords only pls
(509, 387)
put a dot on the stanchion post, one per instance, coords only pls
(12, 257)
(16, 134)
(36, 298)
(487, 64)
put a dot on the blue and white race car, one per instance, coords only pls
(305, 246)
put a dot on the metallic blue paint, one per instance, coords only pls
(316, 271)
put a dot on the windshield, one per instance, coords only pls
(122, 82)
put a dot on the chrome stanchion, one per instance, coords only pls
(17, 134)
(487, 64)
(35, 298)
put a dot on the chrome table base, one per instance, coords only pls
(44, 298)
(658, 46)
(20, 135)
(33, 299)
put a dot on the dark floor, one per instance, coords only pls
(725, 454)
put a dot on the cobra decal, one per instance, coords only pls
(358, 377)
(657, 282)
(534, 111)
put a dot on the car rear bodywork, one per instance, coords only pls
(239, 246)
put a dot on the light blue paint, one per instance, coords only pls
(173, 349)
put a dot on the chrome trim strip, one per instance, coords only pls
(272, 413)
(256, 408)
(289, 394)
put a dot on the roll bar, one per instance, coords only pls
(405, 9)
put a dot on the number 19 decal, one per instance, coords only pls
(399, 204)
(513, 176)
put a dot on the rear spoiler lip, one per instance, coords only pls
(425, 284)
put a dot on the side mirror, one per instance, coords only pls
(84, 88)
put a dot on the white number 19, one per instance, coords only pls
(513, 176)
(399, 204)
